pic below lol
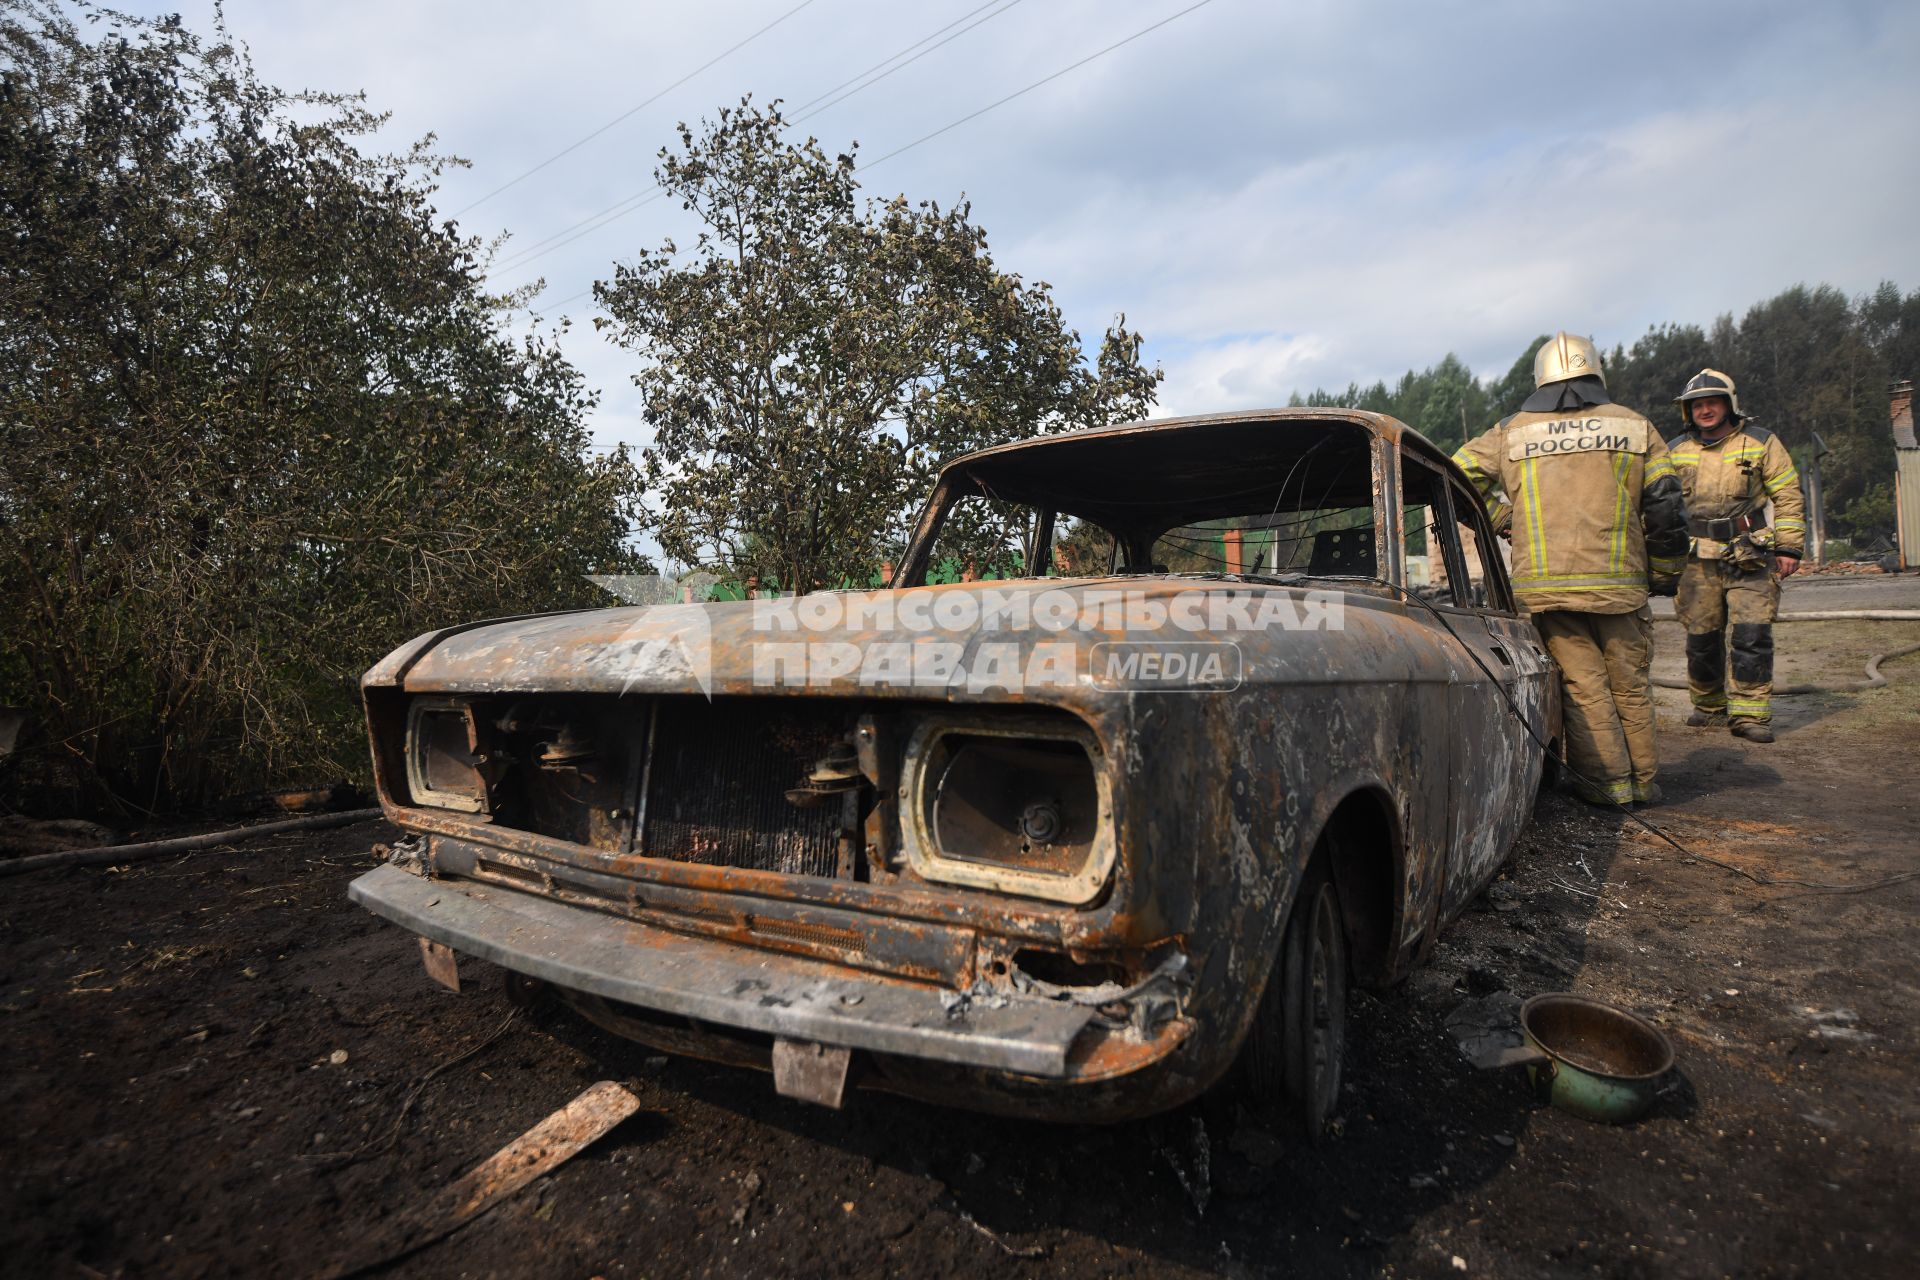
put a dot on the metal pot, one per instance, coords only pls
(1590, 1059)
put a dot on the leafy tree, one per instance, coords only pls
(1806, 360)
(1373, 399)
(1506, 394)
(1444, 403)
(813, 359)
(1648, 376)
(1891, 324)
(1805, 365)
(259, 421)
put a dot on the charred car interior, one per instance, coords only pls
(1081, 896)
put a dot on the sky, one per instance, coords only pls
(1279, 195)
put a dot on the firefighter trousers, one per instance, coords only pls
(1605, 663)
(1718, 602)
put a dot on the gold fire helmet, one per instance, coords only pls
(1564, 356)
(1704, 385)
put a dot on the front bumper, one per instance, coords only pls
(722, 982)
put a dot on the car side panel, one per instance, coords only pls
(1232, 791)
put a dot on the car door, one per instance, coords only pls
(1508, 718)
(1479, 747)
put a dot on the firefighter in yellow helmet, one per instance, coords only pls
(1731, 471)
(1597, 513)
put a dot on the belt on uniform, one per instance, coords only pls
(1725, 529)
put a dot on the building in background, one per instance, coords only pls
(1906, 483)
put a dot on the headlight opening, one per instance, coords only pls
(1020, 807)
(443, 756)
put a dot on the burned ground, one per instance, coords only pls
(175, 1106)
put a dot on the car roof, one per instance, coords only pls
(1167, 471)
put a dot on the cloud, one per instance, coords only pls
(1278, 196)
(1242, 372)
(1357, 267)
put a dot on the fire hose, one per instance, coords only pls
(1874, 679)
(119, 853)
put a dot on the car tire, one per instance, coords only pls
(1550, 768)
(1295, 1052)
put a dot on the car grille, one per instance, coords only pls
(717, 784)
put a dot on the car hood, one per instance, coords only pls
(1307, 632)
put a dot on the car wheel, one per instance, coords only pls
(1296, 1048)
(1550, 767)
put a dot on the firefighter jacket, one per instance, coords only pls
(1595, 505)
(1728, 484)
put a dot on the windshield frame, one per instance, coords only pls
(985, 473)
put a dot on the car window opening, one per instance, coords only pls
(1246, 499)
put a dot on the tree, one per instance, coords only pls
(1444, 403)
(1648, 377)
(1891, 323)
(1505, 394)
(814, 359)
(260, 421)
(1806, 360)
(1805, 365)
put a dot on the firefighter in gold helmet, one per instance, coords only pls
(1731, 471)
(1597, 519)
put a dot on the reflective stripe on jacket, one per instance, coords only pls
(1738, 475)
(1579, 480)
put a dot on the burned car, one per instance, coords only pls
(1230, 712)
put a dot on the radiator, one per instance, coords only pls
(717, 781)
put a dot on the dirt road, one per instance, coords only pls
(174, 1106)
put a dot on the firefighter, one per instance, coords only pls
(1597, 511)
(1730, 470)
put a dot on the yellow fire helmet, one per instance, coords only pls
(1705, 384)
(1566, 356)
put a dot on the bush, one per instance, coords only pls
(258, 421)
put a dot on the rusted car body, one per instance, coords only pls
(1070, 896)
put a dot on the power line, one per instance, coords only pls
(1035, 85)
(732, 49)
(802, 111)
(974, 115)
(884, 61)
(611, 213)
(621, 208)
(575, 298)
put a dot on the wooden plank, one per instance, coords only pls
(534, 1154)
